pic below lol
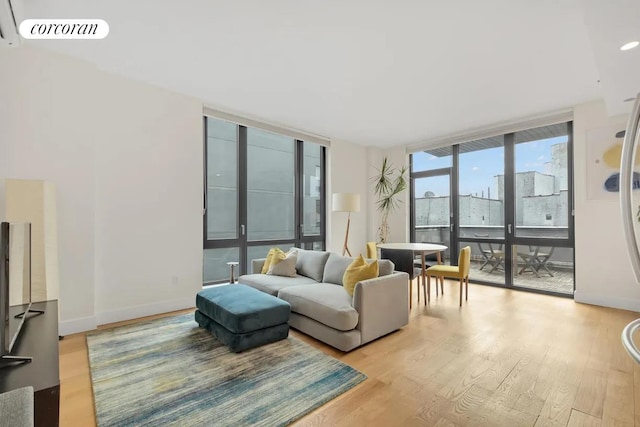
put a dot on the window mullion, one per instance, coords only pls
(236, 240)
(299, 190)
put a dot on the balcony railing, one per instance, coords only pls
(562, 257)
(497, 231)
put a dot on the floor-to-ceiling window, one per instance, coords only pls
(263, 189)
(481, 200)
(542, 240)
(431, 189)
(510, 200)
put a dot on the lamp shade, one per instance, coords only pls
(346, 202)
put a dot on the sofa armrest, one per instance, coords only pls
(382, 305)
(256, 265)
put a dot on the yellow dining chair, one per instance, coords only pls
(372, 250)
(460, 272)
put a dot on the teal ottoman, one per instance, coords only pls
(242, 317)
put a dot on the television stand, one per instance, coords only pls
(21, 359)
(39, 338)
(19, 315)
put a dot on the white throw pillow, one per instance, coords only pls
(285, 267)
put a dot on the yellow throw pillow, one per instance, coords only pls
(278, 255)
(357, 271)
(270, 256)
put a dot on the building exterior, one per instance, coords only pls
(541, 203)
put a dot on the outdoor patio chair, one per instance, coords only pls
(492, 254)
(536, 259)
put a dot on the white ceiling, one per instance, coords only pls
(610, 24)
(367, 71)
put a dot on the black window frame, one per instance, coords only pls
(241, 241)
(510, 239)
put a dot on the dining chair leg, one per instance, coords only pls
(466, 288)
(461, 292)
(410, 293)
(442, 285)
(428, 298)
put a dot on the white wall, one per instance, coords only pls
(374, 161)
(126, 159)
(347, 173)
(398, 219)
(46, 104)
(148, 201)
(603, 271)
(4, 158)
(350, 170)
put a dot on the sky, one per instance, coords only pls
(478, 168)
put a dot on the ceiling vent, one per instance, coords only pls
(8, 27)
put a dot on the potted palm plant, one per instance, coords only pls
(389, 183)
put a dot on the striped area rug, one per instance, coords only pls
(171, 372)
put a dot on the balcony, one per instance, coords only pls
(544, 268)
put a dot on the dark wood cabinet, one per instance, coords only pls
(39, 340)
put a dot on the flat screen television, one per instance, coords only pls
(15, 285)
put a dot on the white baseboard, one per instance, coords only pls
(83, 324)
(73, 326)
(144, 310)
(631, 304)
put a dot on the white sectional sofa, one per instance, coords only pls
(322, 308)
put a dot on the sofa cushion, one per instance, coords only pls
(385, 267)
(357, 271)
(324, 302)
(311, 263)
(272, 284)
(283, 265)
(336, 266)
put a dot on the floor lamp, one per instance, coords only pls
(346, 202)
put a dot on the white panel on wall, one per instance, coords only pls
(34, 201)
(148, 201)
(48, 128)
(603, 270)
(126, 161)
(398, 220)
(347, 173)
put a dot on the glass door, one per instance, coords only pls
(481, 207)
(509, 197)
(432, 210)
(541, 239)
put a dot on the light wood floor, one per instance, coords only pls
(506, 358)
